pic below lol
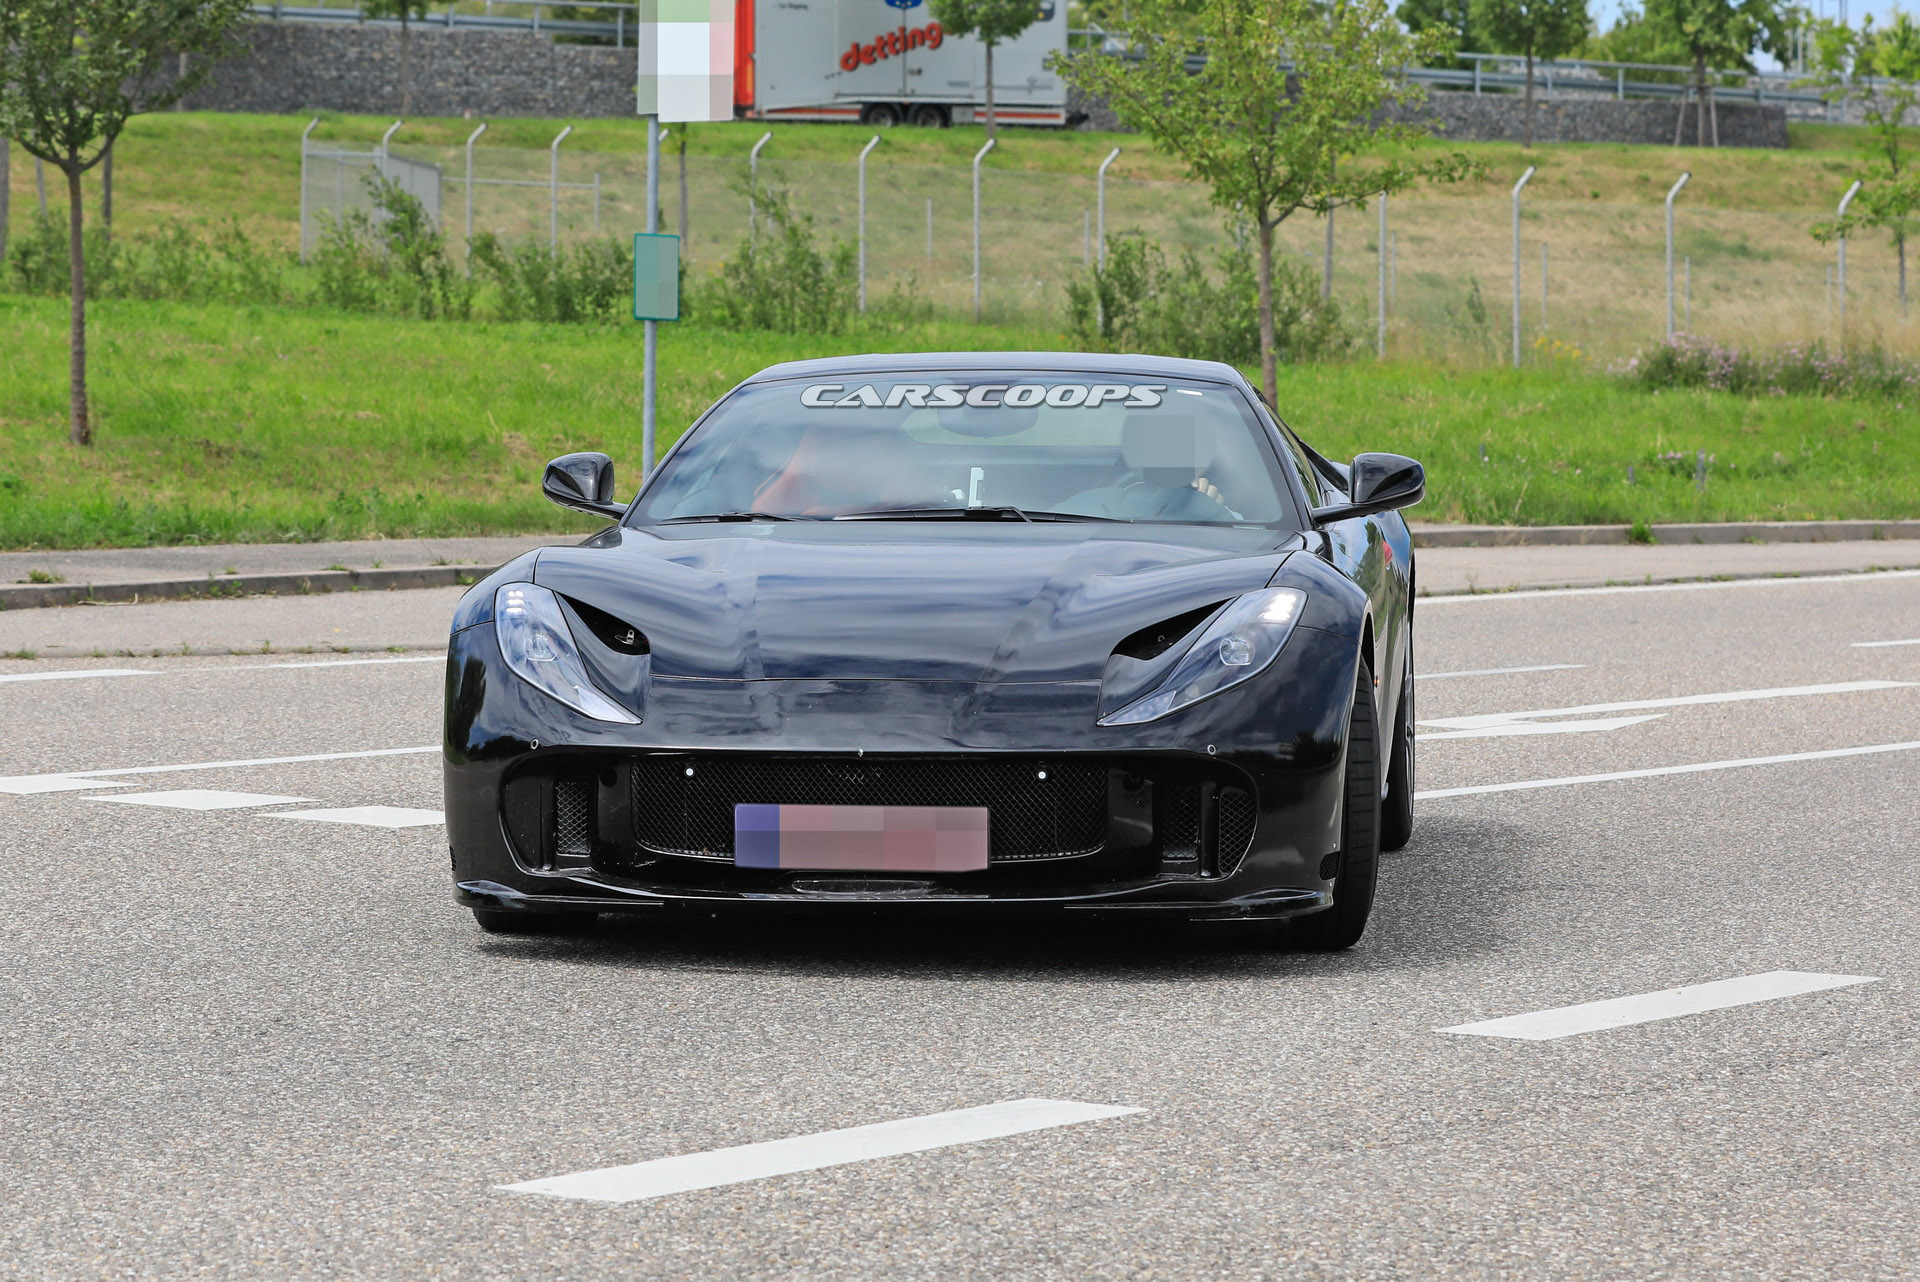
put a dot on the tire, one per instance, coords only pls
(508, 921)
(1341, 926)
(929, 116)
(1396, 812)
(883, 114)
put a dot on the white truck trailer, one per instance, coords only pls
(886, 62)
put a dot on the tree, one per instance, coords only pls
(1453, 18)
(71, 74)
(1889, 198)
(1722, 32)
(993, 21)
(408, 12)
(1537, 28)
(1287, 89)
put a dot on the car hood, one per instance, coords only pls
(897, 600)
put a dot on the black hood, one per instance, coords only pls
(895, 600)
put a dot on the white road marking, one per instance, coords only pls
(745, 1162)
(1677, 701)
(1656, 771)
(357, 663)
(1496, 672)
(368, 816)
(201, 799)
(27, 785)
(1875, 645)
(74, 674)
(55, 781)
(1528, 594)
(1671, 1003)
(1537, 727)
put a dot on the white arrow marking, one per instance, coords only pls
(1538, 727)
(1671, 1003)
(1677, 701)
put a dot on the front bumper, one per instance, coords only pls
(541, 802)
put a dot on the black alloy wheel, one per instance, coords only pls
(1341, 926)
(1396, 812)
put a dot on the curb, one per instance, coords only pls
(1512, 536)
(329, 651)
(29, 596)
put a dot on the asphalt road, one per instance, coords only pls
(243, 1044)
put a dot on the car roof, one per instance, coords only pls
(1125, 366)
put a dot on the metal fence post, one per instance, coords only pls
(386, 138)
(1840, 274)
(1524, 179)
(1380, 300)
(471, 138)
(753, 182)
(553, 189)
(304, 133)
(1101, 229)
(1543, 284)
(862, 237)
(1689, 275)
(1685, 174)
(978, 156)
(929, 229)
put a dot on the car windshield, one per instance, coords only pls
(1015, 446)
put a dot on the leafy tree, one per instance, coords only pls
(1889, 198)
(1287, 89)
(71, 74)
(408, 12)
(1453, 18)
(1722, 33)
(1537, 28)
(993, 21)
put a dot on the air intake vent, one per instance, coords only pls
(572, 818)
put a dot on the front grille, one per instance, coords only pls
(572, 817)
(1040, 808)
(1235, 832)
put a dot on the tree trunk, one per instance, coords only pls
(989, 91)
(1900, 251)
(1529, 127)
(106, 192)
(1713, 113)
(40, 183)
(1326, 261)
(1269, 367)
(79, 429)
(406, 66)
(1700, 107)
(6, 194)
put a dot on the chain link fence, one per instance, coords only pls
(1591, 272)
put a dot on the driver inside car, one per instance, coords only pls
(1164, 461)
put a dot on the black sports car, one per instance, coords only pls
(1036, 632)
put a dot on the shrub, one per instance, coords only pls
(390, 260)
(588, 282)
(1798, 369)
(1137, 301)
(784, 280)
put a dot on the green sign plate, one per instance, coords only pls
(656, 277)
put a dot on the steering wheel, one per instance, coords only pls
(1146, 499)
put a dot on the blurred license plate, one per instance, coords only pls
(862, 838)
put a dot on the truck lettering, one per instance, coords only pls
(891, 44)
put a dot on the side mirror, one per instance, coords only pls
(1378, 483)
(583, 482)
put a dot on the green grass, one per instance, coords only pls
(246, 424)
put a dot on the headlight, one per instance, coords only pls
(540, 650)
(1240, 643)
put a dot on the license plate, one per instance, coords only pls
(861, 838)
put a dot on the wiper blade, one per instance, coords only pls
(730, 516)
(968, 514)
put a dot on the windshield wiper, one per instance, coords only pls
(968, 514)
(730, 516)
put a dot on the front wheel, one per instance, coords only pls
(1341, 925)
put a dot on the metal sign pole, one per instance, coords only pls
(651, 344)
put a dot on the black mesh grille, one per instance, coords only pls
(1235, 827)
(572, 818)
(1040, 809)
(1176, 821)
